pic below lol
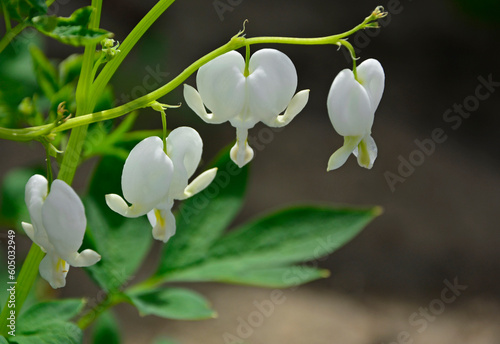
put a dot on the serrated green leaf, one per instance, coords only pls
(172, 303)
(20, 9)
(72, 30)
(43, 314)
(122, 246)
(289, 236)
(45, 72)
(202, 218)
(106, 330)
(56, 333)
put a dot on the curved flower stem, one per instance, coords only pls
(353, 56)
(164, 123)
(235, 43)
(127, 45)
(247, 61)
(25, 280)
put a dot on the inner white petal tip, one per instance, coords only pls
(241, 155)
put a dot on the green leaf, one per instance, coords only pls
(287, 237)
(72, 30)
(122, 246)
(172, 303)
(106, 330)
(56, 333)
(46, 73)
(43, 314)
(20, 9)
(275, 277)
(202, 218)
(3, 340)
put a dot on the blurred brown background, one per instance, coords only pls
(441, 219)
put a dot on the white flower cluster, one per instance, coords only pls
(154, 174)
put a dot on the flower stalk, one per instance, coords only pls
(84, 118)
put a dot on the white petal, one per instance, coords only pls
(147, 174)
(340, 156)
(199, 183)
(194, 101)
(118, 205)
(241, 153)
(371, 76)
(34, 196)
(163, 222)
(64, 218)
(296, 105)
(221, 85)
(366, 152)
(349, 106)
(85, 258)
(184, 147)
(54, 270)
(271, 83)
(29, 230)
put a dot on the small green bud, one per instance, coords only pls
(26, 106)
(110, 48)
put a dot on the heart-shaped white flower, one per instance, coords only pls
(58, 226)
(245, 100)
(351, 106)
(152, 179)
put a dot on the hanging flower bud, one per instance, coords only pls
(58, 226)
(351, 106)
(153, 179)
(245, 99)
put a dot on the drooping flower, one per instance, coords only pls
(58, 226)
(351, 106)
(153, 179)
(246, 99)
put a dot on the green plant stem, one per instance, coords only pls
(49, 166)
(236, 42)
(111, 300)
(164, 124)
(6, 17)
(127, 45)
(246, 72)
(25, 281)
(10, 35)
(353, 56)
(84, 104)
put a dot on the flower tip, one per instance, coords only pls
(241, 156)
(117, 204)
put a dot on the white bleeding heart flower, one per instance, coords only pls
(245, 100)
(58, 226)
(351, 106)
(153, 179)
